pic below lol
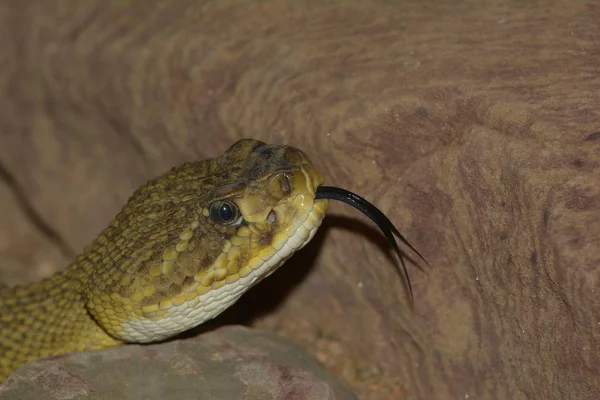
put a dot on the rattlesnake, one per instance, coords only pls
(184, 248)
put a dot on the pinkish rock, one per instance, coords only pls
(229, 363)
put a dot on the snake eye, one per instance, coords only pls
(225, 212)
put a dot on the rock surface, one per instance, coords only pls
(474, 125)
(231, 363)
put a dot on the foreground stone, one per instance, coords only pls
(229, 363)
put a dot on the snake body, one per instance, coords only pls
(185, 247)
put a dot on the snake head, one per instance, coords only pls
(188, 244)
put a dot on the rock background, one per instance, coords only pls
(473, 124)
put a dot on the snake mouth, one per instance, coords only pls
(380, 219)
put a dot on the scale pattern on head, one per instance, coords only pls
(191, 242)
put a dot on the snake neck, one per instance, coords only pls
(46, 319)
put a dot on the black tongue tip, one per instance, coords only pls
(380, 219)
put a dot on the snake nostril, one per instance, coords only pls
(272, 217)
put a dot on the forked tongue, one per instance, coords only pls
(383, 222)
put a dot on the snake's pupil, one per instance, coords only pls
(225, 212)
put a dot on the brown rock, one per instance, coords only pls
(231, 363)
(473, 125)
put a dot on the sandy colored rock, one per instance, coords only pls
(474, 125)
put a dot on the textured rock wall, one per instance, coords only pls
(474, 125)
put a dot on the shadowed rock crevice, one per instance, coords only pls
(33, 217)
